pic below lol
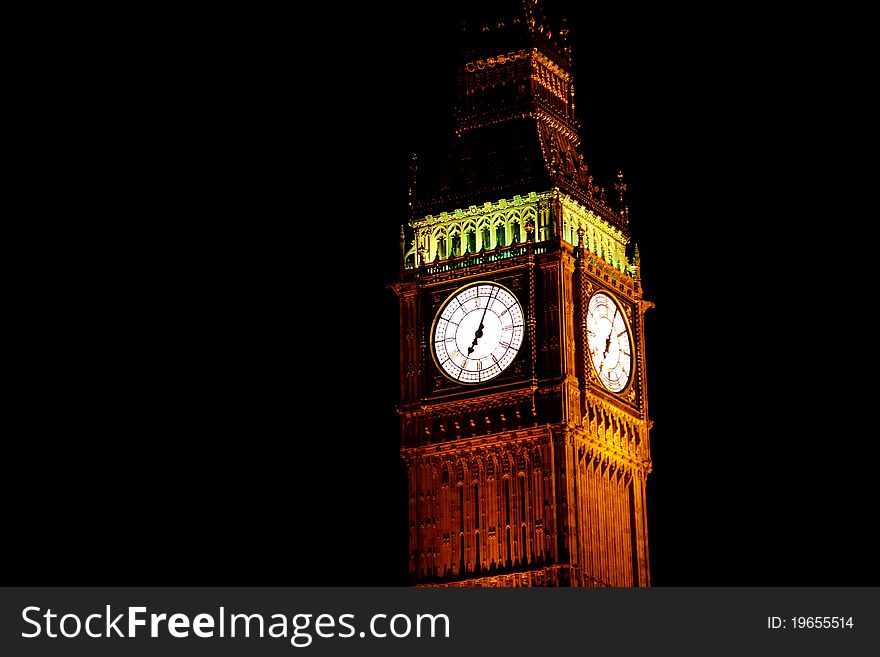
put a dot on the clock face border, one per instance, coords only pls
(442, 307)
(630, 336)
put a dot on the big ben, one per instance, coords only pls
(523, 401)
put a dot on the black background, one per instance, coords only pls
(209, 388)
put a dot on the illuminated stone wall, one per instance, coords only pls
(502, 223)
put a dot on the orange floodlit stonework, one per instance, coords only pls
(524, 410)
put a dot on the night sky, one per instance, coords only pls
(253, 260)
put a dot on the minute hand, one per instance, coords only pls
(479, 332)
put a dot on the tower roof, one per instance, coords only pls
(516, 130)
(492, 26)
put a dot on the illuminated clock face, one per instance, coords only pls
(478, 333)
(609, 342)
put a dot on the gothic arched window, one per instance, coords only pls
(454, 244)
(486, 236)
(500, 236)
(470, 239)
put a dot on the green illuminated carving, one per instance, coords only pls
(502, 223)
(603, 239)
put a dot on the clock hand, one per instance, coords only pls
(610, 333)
(477, 336)
(479, 332)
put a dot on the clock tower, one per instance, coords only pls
(524, 411)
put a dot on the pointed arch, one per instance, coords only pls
(438, 244)
(454, 241)
(469, 237)
(513, 227)
(484, 233)
(499, 230)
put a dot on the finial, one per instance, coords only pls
(620, 186)
(602, 196)
(402, 246)
(635, 267)
(414, 170)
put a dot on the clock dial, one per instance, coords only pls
(609, 342)
(477, 333)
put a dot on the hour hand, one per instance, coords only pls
(607, 343)
(477, 336)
